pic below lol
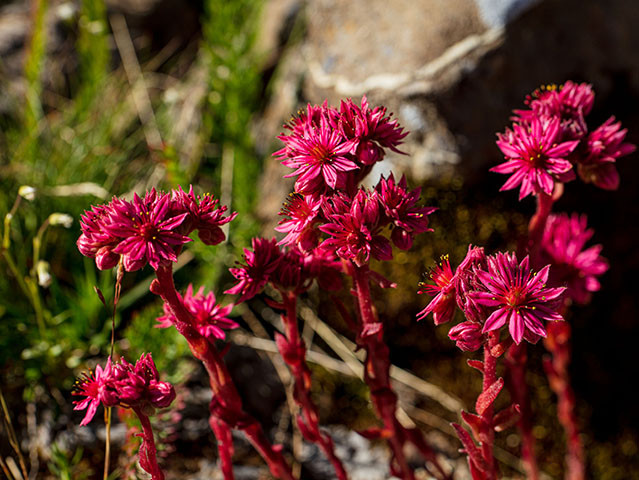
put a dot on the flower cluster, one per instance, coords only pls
(130, 386)
(287, 269)
(210, 319)
(551, 139)
(149, 230)
(493, 291)
(333, 149)
(577, 268)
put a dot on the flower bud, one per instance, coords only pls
(27, 192)
(62, 219)
(44, 276)
(467, 336)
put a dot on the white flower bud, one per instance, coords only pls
(27, 192)
(63, 219)
(44, 276)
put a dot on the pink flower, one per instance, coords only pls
(95, 240)
(534, 157)
(97, 388)
(578, 268)
(261, 262)
(146, 229)
(443, 305)
(569, 103)
(204, 215)
(518, 296)
(211, 319)
(370, 130)
(139, 385)
(303, 212)
(602, 149)
(354, 227)
(320, 157)
(467, 336)
(400, 207)
(466, 282)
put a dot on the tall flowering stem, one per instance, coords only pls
(293, 352)
(556, 366)
(548, 143)
(148, 451)
(377, 377)
(226, 406)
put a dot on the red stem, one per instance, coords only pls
(226, 405)
(487, 433)
(377, 377)
(516, 360)
(148, 452)
(293, 352)
(222, 433)
(516, 357)
(558, 344)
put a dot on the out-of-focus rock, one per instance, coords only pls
(451, 71)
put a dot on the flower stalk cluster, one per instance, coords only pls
(494, 293)
(136, 387)
(548, 143)
(152, 230)
(291, 272)
(332, 150)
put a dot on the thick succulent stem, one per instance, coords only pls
(377, 377)
(293, 352)
(487, 433)
(226, 405)
(558, 344)
(148, 451)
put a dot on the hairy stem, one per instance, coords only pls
(293, 352)
(148, 451)
(226, 405)
(558, 344)
(488, 432)
(377, 377)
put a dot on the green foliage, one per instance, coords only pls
(67, 466)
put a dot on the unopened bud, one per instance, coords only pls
(63, 219)
(44, 276)
(27, 192)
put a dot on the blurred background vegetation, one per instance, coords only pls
(110, 101)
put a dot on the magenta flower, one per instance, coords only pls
(261, 262)
(97, 388)
(467, 336)
(147, 230)
(569, 103)
(400, 207)
(320, 157)
(210, 318)
(466, 282)
(602, 149)
(139, 386)
(573, 266)
(519, 297)
(204, 215)
(534, 157)
(95, 240)
(370, 130)
(443, 305)
(303, 212)
(355, 226)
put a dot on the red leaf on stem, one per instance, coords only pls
(477, 364)
(470, 448)
(507, 418)
(488, 396)
(474, 422)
